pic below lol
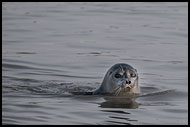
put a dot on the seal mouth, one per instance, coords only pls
(127, 86)
(124, 88)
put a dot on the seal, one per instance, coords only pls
(120, 80)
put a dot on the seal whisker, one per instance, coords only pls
(121, 68)
(117, 91)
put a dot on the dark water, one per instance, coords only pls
(50, 49)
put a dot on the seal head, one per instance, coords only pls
(120, 79)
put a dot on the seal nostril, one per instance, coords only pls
(128, 82)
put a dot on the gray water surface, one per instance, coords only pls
(50, 49)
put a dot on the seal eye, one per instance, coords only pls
(117, 76)
(133, 75)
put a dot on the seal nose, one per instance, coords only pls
(128, 82)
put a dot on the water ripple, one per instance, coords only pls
(157, 61)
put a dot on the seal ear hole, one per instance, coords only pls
(110, 72)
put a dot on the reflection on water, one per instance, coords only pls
(50, 50)
(110, 102)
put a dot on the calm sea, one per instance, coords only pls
(49, 49)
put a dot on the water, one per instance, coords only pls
(49, 49)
